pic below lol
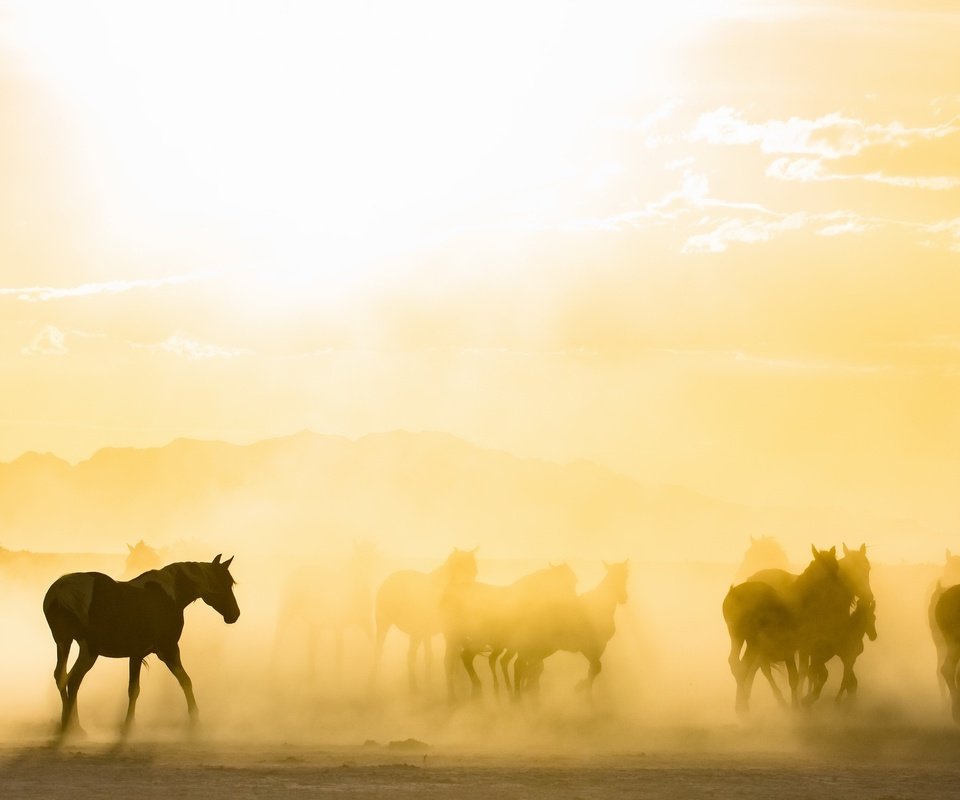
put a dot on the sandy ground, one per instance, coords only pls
(734, 761)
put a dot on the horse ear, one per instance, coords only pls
(606, 566)
(228, 562)
(833, 551)
(752, 540)
(949, 555)
(130, 548)
(813, 549)
(863, 548)
(846, 550)
(216, 559)
(474, 551)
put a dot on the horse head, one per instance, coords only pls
(216, 589)
(617, 575)
(869, 618)
(855, 571)
(951, 569)
(461, 566)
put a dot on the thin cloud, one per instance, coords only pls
(50, 341)
(831, 136)
(191, 349)
(42, 294)
(809, 170)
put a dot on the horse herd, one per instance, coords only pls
(518, 625)
(803, 621)
(773, 617)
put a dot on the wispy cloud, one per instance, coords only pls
(41, 294)
(808, 170)
(829, 136)
(743, 359)
(183, 347)
(50, 341)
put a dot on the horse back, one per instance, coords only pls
(116, 619)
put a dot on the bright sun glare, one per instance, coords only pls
(270, 122)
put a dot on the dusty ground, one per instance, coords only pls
(851, 762)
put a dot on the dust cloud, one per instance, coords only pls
(298, 667)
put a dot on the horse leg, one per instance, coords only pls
(492, 660)
(467, 656)
(818, 674)
(450, 668)
(768, 674)
(748, 669)
(793, 679)
(949, 672)
(382, 629)
(60, 670)
(733, 659)
(849, 681)
(505, 668)
(427, 661)
(412, 663)
(85, 660)
(133, 692)
(171, 658)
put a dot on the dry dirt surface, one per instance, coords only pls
(851, 763)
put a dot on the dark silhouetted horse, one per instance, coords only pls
(949, 577)
(410, 600)
(845, 643)
(947, 616)
(778, 624)
(131, 619)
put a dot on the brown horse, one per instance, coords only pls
(947, 615)
(949, 577)
(131, 619)
(777, 624)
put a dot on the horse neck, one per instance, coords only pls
(182, 581)
(602, 598)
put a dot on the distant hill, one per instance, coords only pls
(412, 493)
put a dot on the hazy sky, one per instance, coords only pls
(715, 244)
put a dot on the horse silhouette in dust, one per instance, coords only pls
(846, 642)
(584, 624)
(765, 552)
(141, 558)
(131, 619)
(479, 616)
(337, 597)
(947, 617)
(777, 625)
(410, 601)
(854, 570)
(949, 577)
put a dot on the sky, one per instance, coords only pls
(712, 244)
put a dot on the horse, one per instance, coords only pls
(584, 624)
(765, 552)
(776, 625)
(131, 619)
(949, 577)
(947, 616)
(478, 616)
(410, 600)
(337, 599)
(848, 645)
(854, 572)
(141, 558)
